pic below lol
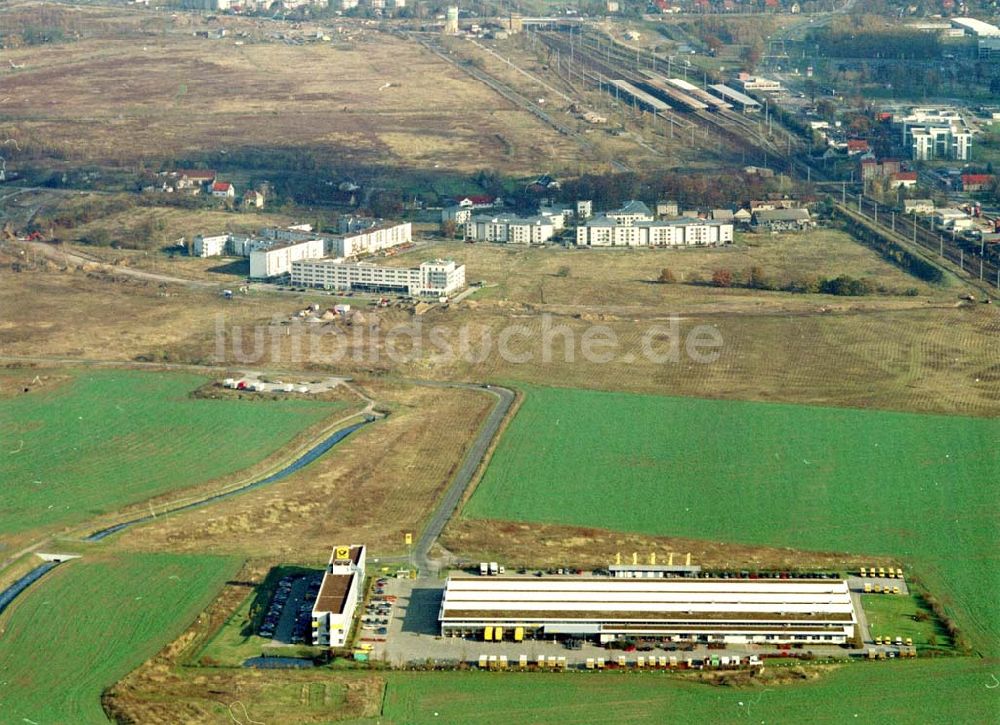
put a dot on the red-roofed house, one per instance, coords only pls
(857, 146)
(906, 179)
(476, 202)
(195, 179)
(223, 190)
(976, 182)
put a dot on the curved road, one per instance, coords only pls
(419, 557)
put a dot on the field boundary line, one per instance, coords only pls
(449, 501)
(299, 449)
(488, 457)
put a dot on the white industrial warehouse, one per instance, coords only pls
(339, 595)
(736, 611)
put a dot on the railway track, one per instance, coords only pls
(979, 265)
(432, 44)
(597, 63)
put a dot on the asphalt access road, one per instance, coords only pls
(463, 478)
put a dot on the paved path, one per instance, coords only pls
(420, 558)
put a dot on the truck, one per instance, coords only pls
(494, 568)
(484, 568)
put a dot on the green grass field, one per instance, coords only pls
(106, 439)
(916, 691)
(893, 616)
(89, 622)
(917, 487)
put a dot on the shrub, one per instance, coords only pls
(722, 278)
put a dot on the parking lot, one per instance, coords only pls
(288, 619)
(377, 616)
(412, 637)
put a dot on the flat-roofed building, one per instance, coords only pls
(509, 229)
(276, 260)
(339, 596)
(756, 83)
(432, 278)
(211, 246)
(606, 232)
(936, 133)
(369, 241)
(741, 100)
(980, 28)
(736, 611)
(782, 220)
(918, 206)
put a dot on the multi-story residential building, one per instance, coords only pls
(606, 232)
(513, 229)
(436, 278)
(371, 240)
(458, 214)
(276, 260)
(632, 212)
(936, 133)
(358, 236)
(213, 246)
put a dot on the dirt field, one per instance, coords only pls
(608, 278)
(904, 353)
(545, 545)
(378, 484)
(159, 93)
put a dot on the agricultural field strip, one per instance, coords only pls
(664, 462)
(106, 378)
(88, 635)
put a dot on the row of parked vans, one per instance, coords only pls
(882, 572)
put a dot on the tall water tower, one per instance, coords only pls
(451, 21)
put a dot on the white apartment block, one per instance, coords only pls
(339, 595)
(277, 260)
(631, 213)
(439, 277)
(213, 246)
(584, 209)
(937, 133)
(370, 240)
(605, 232)
(458, 214)
(513, 229)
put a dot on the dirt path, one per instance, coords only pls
(60, 255)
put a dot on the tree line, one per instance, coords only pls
(754, 277)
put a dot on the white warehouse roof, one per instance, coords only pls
(976, 27)
(599, 598)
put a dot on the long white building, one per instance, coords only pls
(339, 595)
(356, 239)
(510, 229)
(772, 611)
(276, 260)
(439, 277)
(605, 232)
(370, 241)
